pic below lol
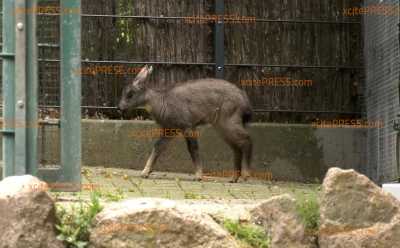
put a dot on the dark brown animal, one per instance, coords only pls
(190, 104)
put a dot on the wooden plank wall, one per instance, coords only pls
(122, 39)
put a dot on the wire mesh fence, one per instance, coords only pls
(381, 36)
(298, 40)
(295, 40)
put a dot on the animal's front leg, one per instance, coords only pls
(193, 148)
(158, 148)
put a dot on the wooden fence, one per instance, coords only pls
(299, 60)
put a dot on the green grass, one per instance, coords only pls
(74, 223)
(308, 210)
(193, 196)
(115, 196)
(249, 234)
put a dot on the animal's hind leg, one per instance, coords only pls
(247, 149)
(237, 153)
(239, 139)
(193, 148)
(158, 148)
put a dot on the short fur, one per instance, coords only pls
(193, 103)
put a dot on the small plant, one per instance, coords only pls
(179, 184)
(230, 192)
(137, 186)
(187, 194)
(117, 195)
(308, 209)
(74, 223)
(253, 195)
(167, 195)
(250, 234)
(191, 195)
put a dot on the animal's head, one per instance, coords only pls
(133, 95)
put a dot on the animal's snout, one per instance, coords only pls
(121, 107)
(119, 111)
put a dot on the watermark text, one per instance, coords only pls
(228, 19)
(164, 132)
(379, 9)
(107, 69)
(277, 82)
(347, 123)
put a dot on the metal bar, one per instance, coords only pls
(184, 17)
(32, 91)
(138, 17)
(255, 110)
(55, 122)
(8, 87)
(309, 21)
(133, 62)
(10, 132)
(219, 36)
(299, 66)
(20, 89)
(70, 93)
(7, 55)
(306, 111)
(42, 45)
(334, 67)
(397, 124)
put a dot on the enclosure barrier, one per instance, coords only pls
(20, 90)
(218, 63)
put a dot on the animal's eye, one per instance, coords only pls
(130, 94)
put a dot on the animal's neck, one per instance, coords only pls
(156, 101)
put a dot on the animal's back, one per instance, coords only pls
(210, 89)
(207, 100)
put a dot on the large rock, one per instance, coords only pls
(27, 214)
(150, 222)
(357, 213)
(220, 210)
(279, 218)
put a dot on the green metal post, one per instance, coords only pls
(70, 91)
(219, 47)
(20, 88)
(8, 87)
(32, 91)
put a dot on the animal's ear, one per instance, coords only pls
(142, 75)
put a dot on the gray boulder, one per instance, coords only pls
(357, 213)
(27, 214)
(149, 222)
(279, 218)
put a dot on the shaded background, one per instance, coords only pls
(307, 40)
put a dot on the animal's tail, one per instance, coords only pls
(246, 116)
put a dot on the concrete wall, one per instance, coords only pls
(289, 152)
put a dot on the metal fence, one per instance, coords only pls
(382, 55)
(305, 40)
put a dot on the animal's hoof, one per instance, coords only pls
(198, 176)
(245, 178)
(245, 175)
(145, 174)
(234, 180)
